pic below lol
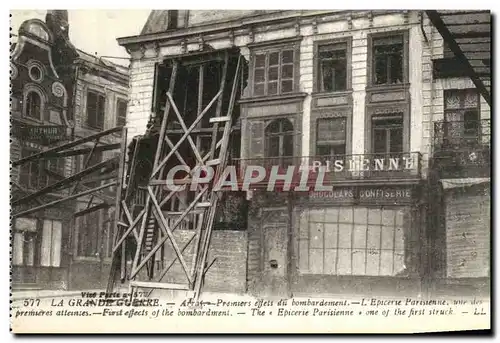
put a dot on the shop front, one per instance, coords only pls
(357, 240)
(39, 259)
(463, 242)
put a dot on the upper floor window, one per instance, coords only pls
(121, 112)
(173, 19)
(331, 136)
(332, 67)
(40, 173)
(279, 141)
(387, 134)
(274, 72)
(95, 110)
(462, 114)
(388, 59)
(34, 105)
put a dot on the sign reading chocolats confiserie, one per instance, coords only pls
(364, 194)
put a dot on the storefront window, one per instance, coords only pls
(23, 250)
(50, 255)
(358, 241)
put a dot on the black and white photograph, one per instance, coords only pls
(250, 171)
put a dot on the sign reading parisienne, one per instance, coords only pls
(297, 178)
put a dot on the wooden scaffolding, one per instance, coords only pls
(92, 183)
(153, 222)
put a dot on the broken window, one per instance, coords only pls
(95, 110)
(274, 72)
(332, 67)
(279, 142)
(331, 136)
(387, 134)
(388, 64)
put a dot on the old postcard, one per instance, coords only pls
(250, 171)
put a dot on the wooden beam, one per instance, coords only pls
(183, 125)
(131, 227)
(65, 146)
(223, 157)
(452, 44)
(65, 182)
(178, 144)
(163, 223)
(92, 209)
(129, 218)
(159, 149)
(172, 229)
(76, 152)
(53, 203)
(26, 192)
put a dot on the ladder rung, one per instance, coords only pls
(213, 162)
(204, 204)
(219, 119)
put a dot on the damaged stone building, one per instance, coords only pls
(59, 94)
(365, 90)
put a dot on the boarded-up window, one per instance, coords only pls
(352, 241)
(24, 242)
(467, 235)
(95, 110)
(50, 252)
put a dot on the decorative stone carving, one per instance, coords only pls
(297, 27)
(184, 46)
(406, 17)
(387, 110)
(251, 36)
(315, 26)
(370, 19)
(349, 22)
(58, 89)
(231, 38)
(201, 43)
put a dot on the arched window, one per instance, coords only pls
(33, 105)
(279, 141)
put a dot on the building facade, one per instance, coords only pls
(58, 94)
(353, 91)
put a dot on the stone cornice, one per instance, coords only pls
(231, 28)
